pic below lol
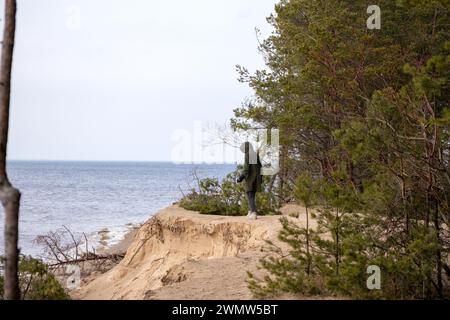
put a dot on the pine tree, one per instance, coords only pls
(364, 118)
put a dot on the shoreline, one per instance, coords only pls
(123, 244)
(115, 194)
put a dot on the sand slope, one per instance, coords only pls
(181, 254)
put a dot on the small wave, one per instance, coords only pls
(108, 237)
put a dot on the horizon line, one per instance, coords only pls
(127, 161)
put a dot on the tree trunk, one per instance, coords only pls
(440, 286)
(9, 196)
(308, 252)
(337, 253)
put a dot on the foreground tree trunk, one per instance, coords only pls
(9, 196)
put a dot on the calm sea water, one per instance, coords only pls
(90, 196)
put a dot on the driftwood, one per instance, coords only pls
(62, 248)
(91, 257)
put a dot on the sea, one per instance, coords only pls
(89, 197)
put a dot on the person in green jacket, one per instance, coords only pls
(252, 176)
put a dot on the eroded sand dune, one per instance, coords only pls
(180, 254)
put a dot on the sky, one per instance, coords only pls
(121, 80)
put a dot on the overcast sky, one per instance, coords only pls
(114, 79)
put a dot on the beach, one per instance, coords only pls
(180, 254)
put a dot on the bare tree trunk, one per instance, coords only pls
(337, 253)
(308, 252)
(9, 196)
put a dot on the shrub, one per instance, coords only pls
(226, 198)
(342, 247)
(36, 281)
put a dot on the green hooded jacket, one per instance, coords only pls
(252, 172)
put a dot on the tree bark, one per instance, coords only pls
(9, 196)
(308, 252)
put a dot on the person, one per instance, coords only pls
(252, 176)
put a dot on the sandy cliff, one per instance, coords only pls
(180, 254)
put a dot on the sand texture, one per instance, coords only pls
(180, 254)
